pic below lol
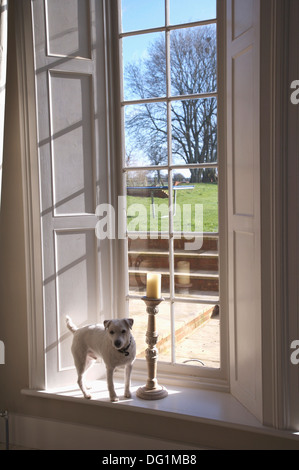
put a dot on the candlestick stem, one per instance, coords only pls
(152, 390)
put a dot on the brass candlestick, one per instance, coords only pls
(152, 391)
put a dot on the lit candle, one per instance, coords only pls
(153, 286)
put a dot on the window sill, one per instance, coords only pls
(214, 410)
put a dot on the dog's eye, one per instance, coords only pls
(111, 332)
(123, 332)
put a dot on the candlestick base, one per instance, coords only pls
(152, 394)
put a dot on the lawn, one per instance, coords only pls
(140, 215)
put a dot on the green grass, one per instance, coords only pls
(140, 218)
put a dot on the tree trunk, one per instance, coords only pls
(196, 175)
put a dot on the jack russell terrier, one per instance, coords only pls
(113, 342)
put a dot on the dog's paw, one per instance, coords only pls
(87, 395)
(128, 394)
(114, 399)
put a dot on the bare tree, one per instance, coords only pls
(193, 60)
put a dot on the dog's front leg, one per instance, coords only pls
(113, 396)
(128, 370)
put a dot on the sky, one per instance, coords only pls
(145, 14)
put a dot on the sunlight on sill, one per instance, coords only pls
(99, 392)
(182, 402)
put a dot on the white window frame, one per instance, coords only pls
(217, 377)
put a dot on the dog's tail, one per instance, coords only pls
(70, 325)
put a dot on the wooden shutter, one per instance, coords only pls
(72, 151)
(244, 271)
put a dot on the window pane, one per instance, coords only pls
(187, 208)
(138, 15)
(147, 254)
(193, 57)
(146, 134)
(144, 62)
(196, 203)
(197, 334)
(137, 309)
(191, 10)
(194, 133)
(147, 202)
(197, 267)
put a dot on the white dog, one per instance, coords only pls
(113, 342)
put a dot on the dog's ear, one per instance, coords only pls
(130, 322)
(107, 323)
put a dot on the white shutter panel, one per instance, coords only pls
(243, 80)
(72, 145)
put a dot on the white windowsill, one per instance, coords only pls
(202, 406)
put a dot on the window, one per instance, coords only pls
(67, 269)
(170, 169)
(169, 148)
(74, 82)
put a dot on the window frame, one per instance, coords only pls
(173, 372)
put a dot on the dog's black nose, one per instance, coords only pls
(117, 343)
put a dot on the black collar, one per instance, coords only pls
(125, 350)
